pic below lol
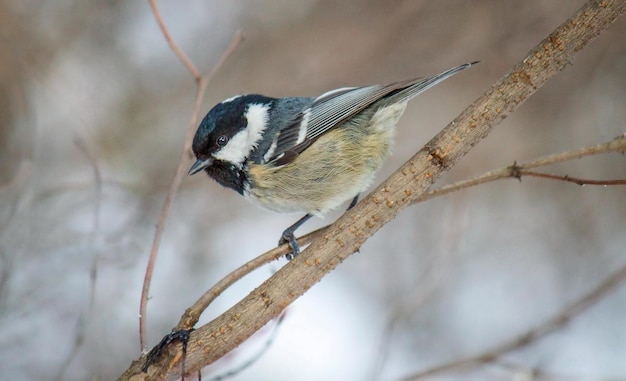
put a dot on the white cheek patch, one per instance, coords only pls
(257, 115)
(246, 140)
(304, 126)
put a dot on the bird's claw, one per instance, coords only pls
(182, 335)
(290, 238)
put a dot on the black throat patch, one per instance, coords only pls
(228, 175)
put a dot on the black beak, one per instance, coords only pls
(199, 165)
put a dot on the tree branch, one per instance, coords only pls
(183, 162)
(172, 43)
(213, 340)
(519, 170)
(192, 314)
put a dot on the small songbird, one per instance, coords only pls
(304, 154)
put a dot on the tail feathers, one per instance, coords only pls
(413, 87)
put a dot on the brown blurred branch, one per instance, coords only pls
(213, 340)
(173, 45)
(82, 324)
(183, 162)
(549, 326)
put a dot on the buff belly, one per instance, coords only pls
(337, 167)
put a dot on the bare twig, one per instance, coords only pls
(173, 45)
(192, 314)
(570, 179)
(549, 326)
(178, 177)
(183, 163)
(203, 82)
(518, 170)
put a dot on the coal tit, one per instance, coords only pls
(305, 154)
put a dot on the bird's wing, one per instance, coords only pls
(335, 107)
(328, 111)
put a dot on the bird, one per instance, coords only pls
(304, 154)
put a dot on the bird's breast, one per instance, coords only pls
(335, 168)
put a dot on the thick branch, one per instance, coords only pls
(213, 340)
(518, 170)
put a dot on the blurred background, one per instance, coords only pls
(94, 108)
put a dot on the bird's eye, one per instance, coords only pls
(221, 140)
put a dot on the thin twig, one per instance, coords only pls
(549, 326)
(178, 178)
(570, 179)
(192, 314)
(204, 81)
(518, 169)
(183, 163)
(173, 45)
